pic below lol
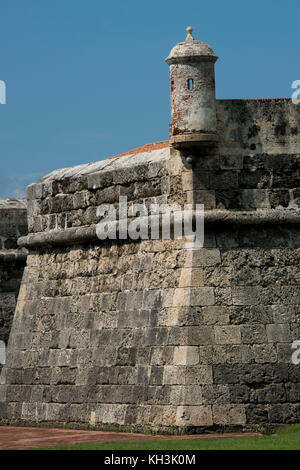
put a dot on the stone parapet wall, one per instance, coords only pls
(256, 167)
(71, 200)
(13, 224)
(266, 126)
(153, 333)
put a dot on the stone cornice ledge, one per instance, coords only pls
(85, 234)
(13, 257)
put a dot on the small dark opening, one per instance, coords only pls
(190, 83)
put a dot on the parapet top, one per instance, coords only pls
(13, 203)
(191, 50)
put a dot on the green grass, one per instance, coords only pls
(287, 438)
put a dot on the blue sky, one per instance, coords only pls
(87, 79)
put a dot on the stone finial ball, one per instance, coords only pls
(189, 29)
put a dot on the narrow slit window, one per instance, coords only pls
(190, 83)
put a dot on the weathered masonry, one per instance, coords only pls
(13, 224)
(153, 333)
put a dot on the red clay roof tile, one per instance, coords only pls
(145, 148)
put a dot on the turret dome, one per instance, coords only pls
(191, 50)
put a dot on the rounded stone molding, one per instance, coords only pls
(86, 234)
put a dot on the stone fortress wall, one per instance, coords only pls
(13, 224)
(152, 334)
(162, 334)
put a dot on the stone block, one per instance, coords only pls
(202, 296)
(186, 355)
(246, 295)
(225, 179)
(278, 333)
(231, 162)
(229, 334)
(253, 334)
(202, 196)
(255, 199)
(200, 335)
(284, 352)
(265, 353)
(229, 414)
(198, 375)
(194, 416)
(173, 375)
(191, 277)
(231, 354)
(203, 257)
(215, 315)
